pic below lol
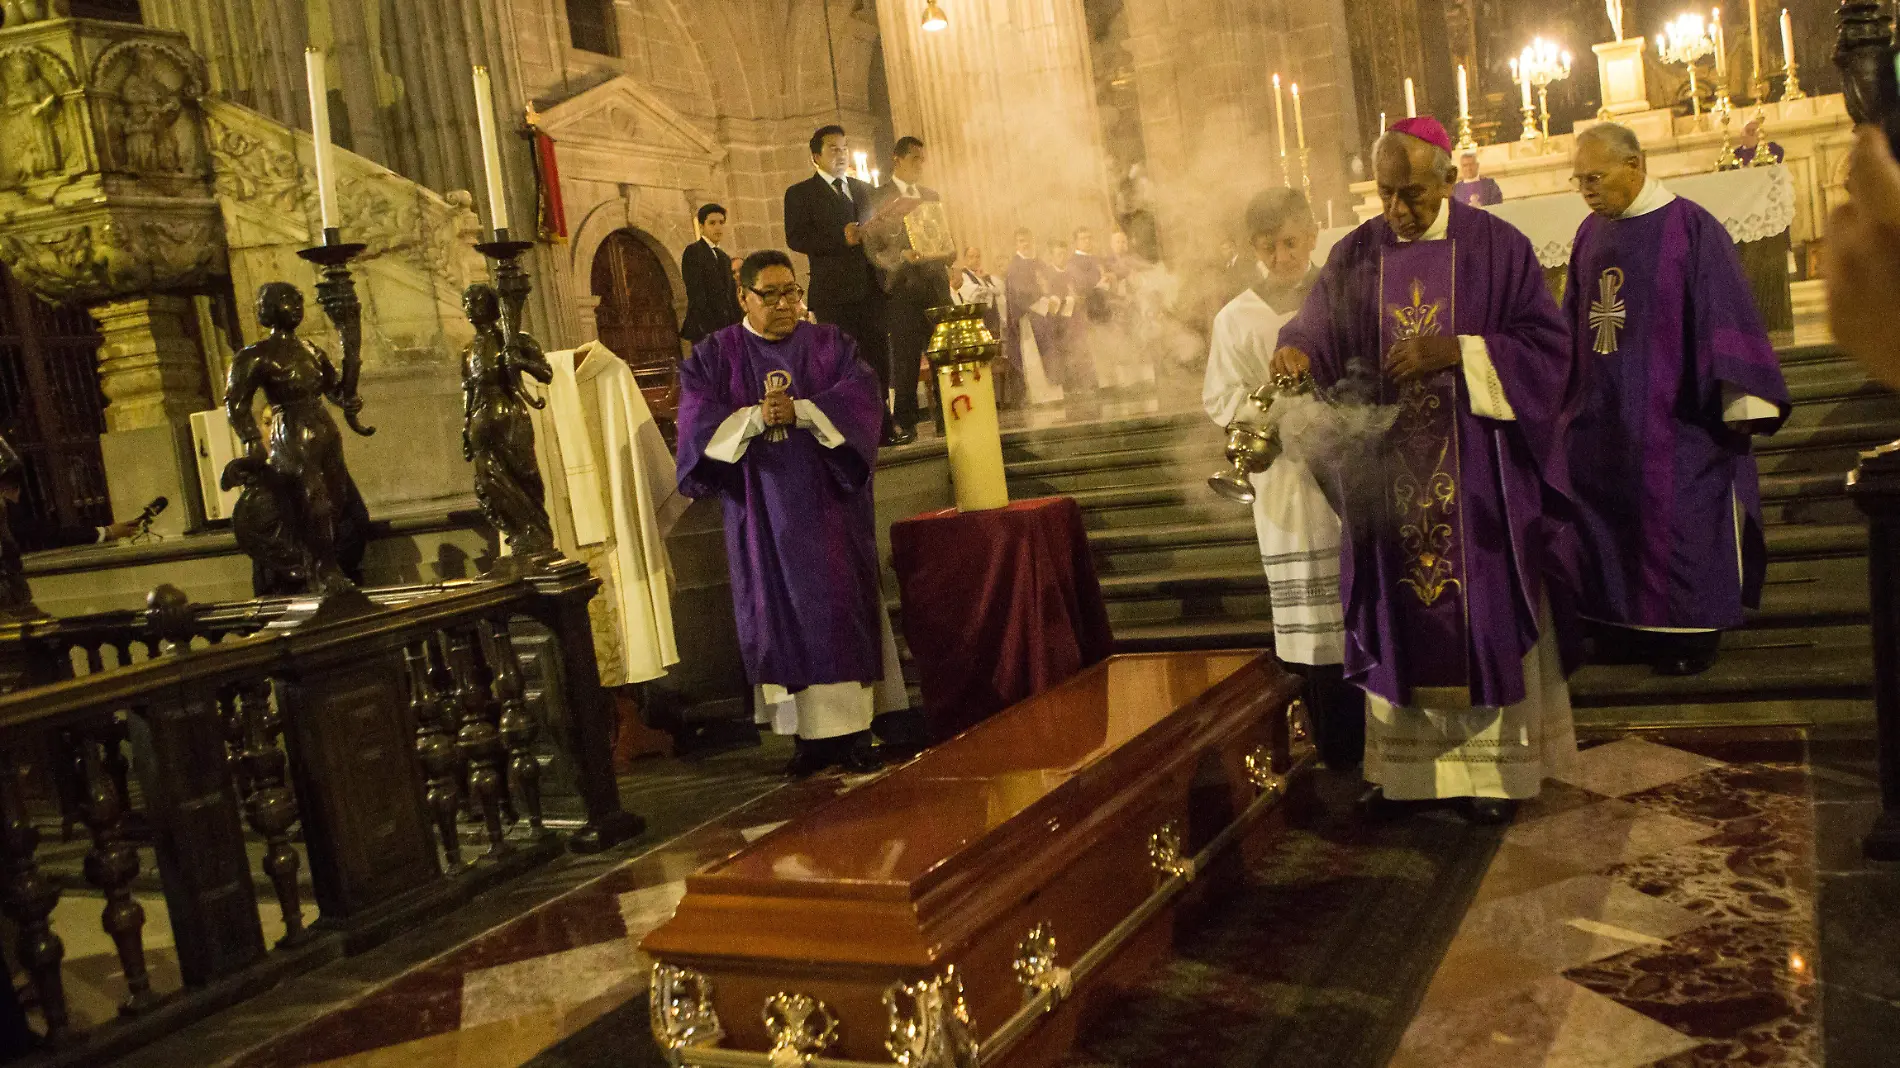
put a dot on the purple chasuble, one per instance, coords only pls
(1662, 319)
(1479, 193)
(1454, 599)
(801, 535)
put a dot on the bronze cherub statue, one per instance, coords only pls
(498, 433)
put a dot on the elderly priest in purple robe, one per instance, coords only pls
(1676, 374)
(1456, 564)
(780, 420)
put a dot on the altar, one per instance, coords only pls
(976, 900)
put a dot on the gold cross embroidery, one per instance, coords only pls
(1608, 313)
(1420, 319)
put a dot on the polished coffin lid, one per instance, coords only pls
(903, 869)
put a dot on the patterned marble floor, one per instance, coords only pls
(1658, 908)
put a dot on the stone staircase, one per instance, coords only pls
(1180, 567)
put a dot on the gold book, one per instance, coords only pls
(928, 227)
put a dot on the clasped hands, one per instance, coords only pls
(1406, 361)
(778, 409)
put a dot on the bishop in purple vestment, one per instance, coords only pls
(780, 420)
(1457, 563)
(1676, 373)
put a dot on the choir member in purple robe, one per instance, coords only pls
(780, 420)
(1473, 189)
(1752, 145)
(1456, 568)
(1676, 374)
(1031, 337)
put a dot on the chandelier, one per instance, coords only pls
(1541, 63)
(1686, 41)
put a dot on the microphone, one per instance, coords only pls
(152, 510)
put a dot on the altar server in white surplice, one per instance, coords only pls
(1297, 527)
(613, 497)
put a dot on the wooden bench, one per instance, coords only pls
(964, 908)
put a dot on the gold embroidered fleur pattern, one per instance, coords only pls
(1419, 319)
(1424, 499)
(1608, 313)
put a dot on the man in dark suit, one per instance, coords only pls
(912, 284)
(824, 216)
(712, 300)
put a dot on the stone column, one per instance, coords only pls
(1204, 80)
(1005, 99)
(587, 319)
(153, 376)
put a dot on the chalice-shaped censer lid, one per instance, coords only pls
(960, 336)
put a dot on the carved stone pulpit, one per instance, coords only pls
(107, 201)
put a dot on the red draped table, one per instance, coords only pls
(999, 606)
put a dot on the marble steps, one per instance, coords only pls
(1755, 665)
(1092, 439)
(1155, 504)
(1169, 465)
(1171, 546)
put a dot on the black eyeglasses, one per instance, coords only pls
(775, 297)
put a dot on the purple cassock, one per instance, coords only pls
(1666, 334)
(1458, 531)
(801, 536)
(1025, 283)
(1481, 192)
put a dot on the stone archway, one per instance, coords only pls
(635, 317)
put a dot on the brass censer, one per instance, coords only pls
(1251, 450)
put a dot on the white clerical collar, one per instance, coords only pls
(1439, 227)
(747, 323)
(1654, 196)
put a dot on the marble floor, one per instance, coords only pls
(1660, 907)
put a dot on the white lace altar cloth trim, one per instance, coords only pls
(1751, 204)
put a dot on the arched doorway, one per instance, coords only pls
(636, 318)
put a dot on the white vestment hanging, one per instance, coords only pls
(613, 497)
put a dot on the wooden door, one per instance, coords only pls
(52, 411)
(636, 318)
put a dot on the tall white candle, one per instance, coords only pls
(1299, 117)
(1787, 41)
(863, 163)
(1721, 44)
(1464, 94)
(318, 80)
(1411, 101)
(1522, 74)
(1279, 120)
(1754, 37)
(491, 149)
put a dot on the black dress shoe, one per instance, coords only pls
(1691, 664)
(1489, 811)
(861, 757)
(897, 435)
(808, 759)
(1375, 807)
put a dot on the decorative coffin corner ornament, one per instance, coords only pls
(930, 1024)
(801, 1027)
(680, 1006)
(1260, 773)
(1036, 969)
(1164, 852)
(962, 355)
(1296, 722)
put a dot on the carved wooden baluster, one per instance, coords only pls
(111, 866)
(271, 807)
(231, 717)
(95, 659)
(431, 700)
(28, 899)
(117, 737)
(519, 728)
(479, 739)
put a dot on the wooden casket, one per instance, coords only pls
(966, 907)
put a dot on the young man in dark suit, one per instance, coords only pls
(824, 216)
(712, 300)
(912, 284)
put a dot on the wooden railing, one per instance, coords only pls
(372, 737)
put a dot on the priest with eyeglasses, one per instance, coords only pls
(780, 421)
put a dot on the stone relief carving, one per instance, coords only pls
(89, 263)
(31, 81)
(148, 88)
(254, 171)
(21, 12)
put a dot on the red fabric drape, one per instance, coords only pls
(547, 174)
(998, 606)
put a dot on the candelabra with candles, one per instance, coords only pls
(1541, 63)
(1792, 90)
(1686, 41)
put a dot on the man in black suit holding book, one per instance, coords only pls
(824, 218)
(914, 280)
